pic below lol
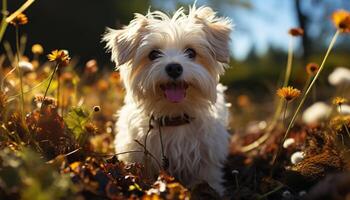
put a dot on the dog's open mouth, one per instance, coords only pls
(175, 92)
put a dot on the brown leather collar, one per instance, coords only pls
(174, 121)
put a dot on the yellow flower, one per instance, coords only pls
(339, 101)
(288, 93)
(37, 49)
(60, 56)
(296, 32)
(312, 68)
(341, 19)
(20, 19)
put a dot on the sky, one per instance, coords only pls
(265, 23)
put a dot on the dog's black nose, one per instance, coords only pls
(174, 70)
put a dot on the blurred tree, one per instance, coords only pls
(311, 16)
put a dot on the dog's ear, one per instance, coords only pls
(217, 30)
(123, 43)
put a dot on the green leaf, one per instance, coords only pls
(76, 119)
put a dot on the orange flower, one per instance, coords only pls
(296, 32)
(20, 19)
(60, 56)
(312, 68)
(341, 19)
(288, 93)
(339, 101)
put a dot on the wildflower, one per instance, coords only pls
(340, 75)
(26, 66)
(288, 93)
(243, 101)
(115, 77)
(297, 157)
(60, 56)
(341, 19)
(102, 85)
(287, 195)
(39, 100)
(91, 67)
(338, 101)
(316, 113)
(67, 77)
(20, 19)
(296, 32)
(312, 68)
(344, 110)
(288, 142)
(302, 193)
(91, 128)
(37, 49)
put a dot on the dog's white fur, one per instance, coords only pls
(197, 150)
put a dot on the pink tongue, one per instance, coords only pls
(175, 94)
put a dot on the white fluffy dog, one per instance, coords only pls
(170, 66)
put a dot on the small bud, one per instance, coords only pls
(96, 108)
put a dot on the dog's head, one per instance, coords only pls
(172, 64)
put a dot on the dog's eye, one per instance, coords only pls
(191, 53)
(154, 54)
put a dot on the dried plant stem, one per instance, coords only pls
(19, 10)
(11, 98)
(279, 107)
(330, 47)
(280, 186)
(308, 81)
(4, 24)
(6, 19)
(20, 74)
(48, 86)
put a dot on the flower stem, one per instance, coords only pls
(344, 124)
(286, 78)
(289, 62)
(48, 86)
(284, 113)
(330, 47)
(4, 24)
(58, 88)
(19, 70)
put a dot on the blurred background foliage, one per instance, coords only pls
(259, 42)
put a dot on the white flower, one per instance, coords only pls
(288, 142)
(339, 76)
(297, 157)
(316, 112)
(287, 195)
(344, 109)
(25, 66)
